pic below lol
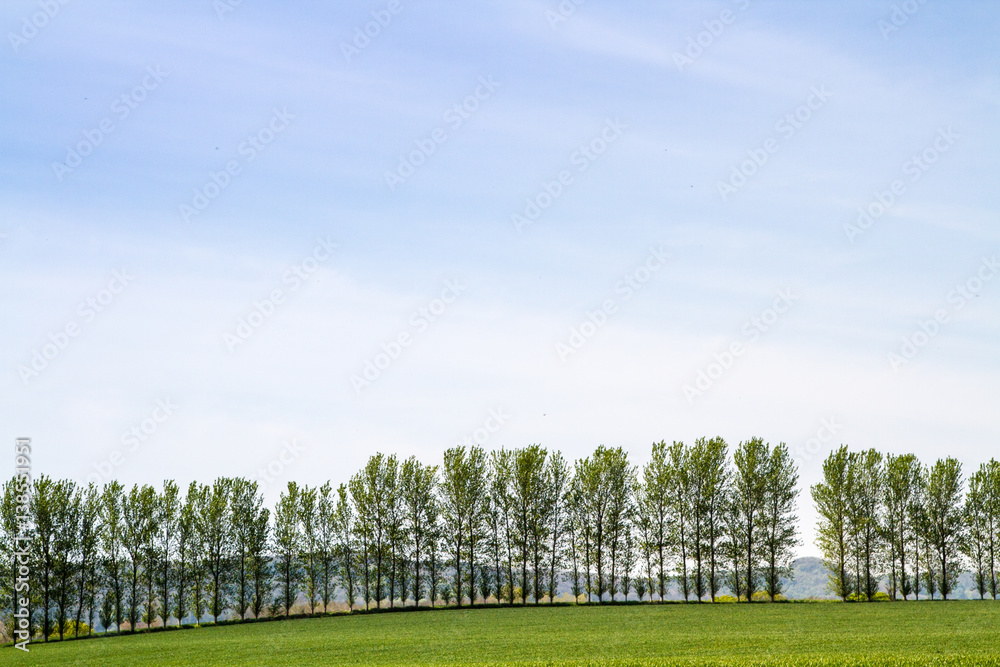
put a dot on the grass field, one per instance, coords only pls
(941, 633)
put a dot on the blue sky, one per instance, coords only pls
(745, 162)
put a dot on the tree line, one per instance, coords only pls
(889, 519)
(506, 526)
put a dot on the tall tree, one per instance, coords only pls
(374, 490)
(66, 501)
(326, 546)
(89, 544)
(946, 526)
(779, 519)
(309, 545)
(498, 522)
(751, 459)
(714, 471)
(245, 506)
(557, 480)
(138, 519)
(462, 487)
(45, 519)
(976, 543)
(528, 490)
(832, 498)
(168, 511)
(992, 511)
(346, 553)
(655, 505)
(681, 507)
(620, 479)
(417, 486)
(865, 520)
(112, 547)
(902, 477)
(187, 551)
(287, 545)
(216, 520)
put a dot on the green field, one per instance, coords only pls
(952, 633)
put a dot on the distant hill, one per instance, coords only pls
(811, 576)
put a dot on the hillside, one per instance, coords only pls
(962, 633)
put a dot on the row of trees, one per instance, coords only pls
(888, 518)
(508, 526)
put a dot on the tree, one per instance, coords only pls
(779, 519)
(417, 486)
(45, 518)
(865, 520)
(681, 506)
(216, 523)
(326, 542)
(654, 504)
(976, 543)
(713, 470)
(88, 545)
(245, 506)
(620, 479)
(187, 551)
(918, 520)
(557, 479)
(344, 525)
(287, 544)
(946, 526)
(138, 520)
(168, 510)
(66, 503)
(832, 497)
(462, 490)
(752, 460)
(498, 520)
(902, 478)
(374, 493)
(111, 501)
(992, 511)
(530, 510)
(310, 545)
(261, 570)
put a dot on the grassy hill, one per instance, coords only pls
(953, 633)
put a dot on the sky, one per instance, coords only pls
(270, 240)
